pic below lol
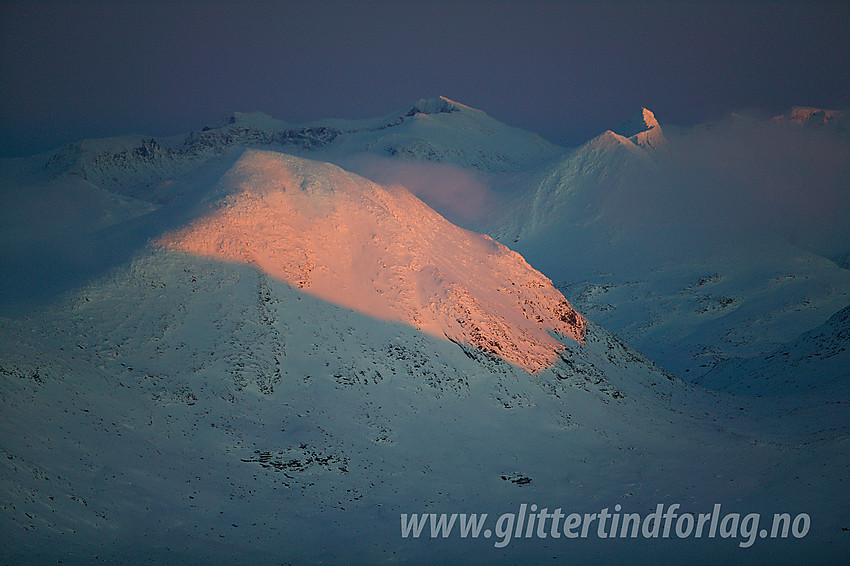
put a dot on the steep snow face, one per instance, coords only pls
(382, 252)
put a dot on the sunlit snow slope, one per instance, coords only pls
(380, 252)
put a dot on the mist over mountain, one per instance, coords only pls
(725, 242)
(263, 341)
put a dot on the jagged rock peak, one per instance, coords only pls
(649, 118)
(644, 121)
(643, 130)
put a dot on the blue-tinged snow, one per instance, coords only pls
(202, 357)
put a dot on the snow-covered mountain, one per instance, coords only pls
(185, 407)
(722, 241)
(631, 213)
(432, 130)
(250, 353)
(441, 130)
(582, 188)
(383, 253)
(205, 410)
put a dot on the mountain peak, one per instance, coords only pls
(649, 118)
(643, 121)
(382, 252)
(439, 105)
(442, 130)
(643, 130)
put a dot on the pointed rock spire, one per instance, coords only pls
(644, 130)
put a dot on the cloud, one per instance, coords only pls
(463, 196)
(742, 180)
(779, 179)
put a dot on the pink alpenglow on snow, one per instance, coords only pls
(382, 252)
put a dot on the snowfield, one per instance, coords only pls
(256, 344)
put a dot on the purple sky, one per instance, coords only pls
(71, 70)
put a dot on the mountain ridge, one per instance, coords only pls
(133, 164)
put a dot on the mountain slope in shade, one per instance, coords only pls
(381, 252)
(817, 360)
(600, 180)
(588, 189)
(62, 209)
